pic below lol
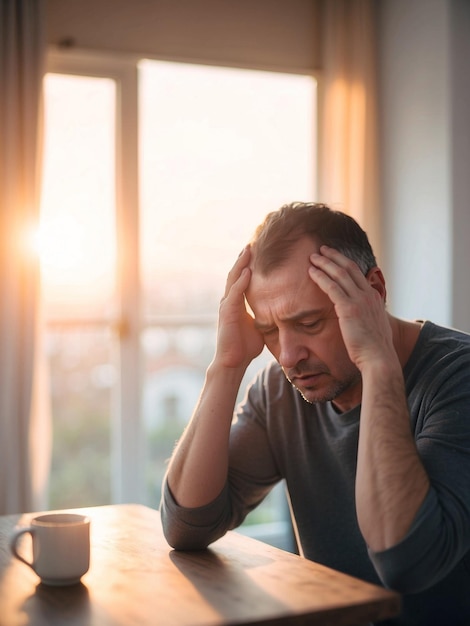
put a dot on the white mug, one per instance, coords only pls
(61, 547)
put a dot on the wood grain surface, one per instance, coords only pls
(135, 578)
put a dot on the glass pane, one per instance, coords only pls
(220, 148)
(83, 378)
(77, 248)
(77, 233)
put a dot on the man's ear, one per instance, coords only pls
(376, 279)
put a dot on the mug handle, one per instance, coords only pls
(17, 533)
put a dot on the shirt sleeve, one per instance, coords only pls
(193, 528)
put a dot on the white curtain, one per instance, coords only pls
(24, 415)
(348, 177)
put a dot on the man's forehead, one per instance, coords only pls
(286, 293)
(296, 316)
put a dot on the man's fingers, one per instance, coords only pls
(238, 268)
(337, 268)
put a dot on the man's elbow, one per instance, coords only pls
(185, 539)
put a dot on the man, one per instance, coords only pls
(365, 416)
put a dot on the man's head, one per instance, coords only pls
(281, 230)
(297, 319)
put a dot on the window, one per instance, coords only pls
(159, 214)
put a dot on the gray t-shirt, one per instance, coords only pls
(276, 436)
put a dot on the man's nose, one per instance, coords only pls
(291, 349)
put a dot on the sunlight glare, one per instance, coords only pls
(60, 244)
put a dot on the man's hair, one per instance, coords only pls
(275, 237)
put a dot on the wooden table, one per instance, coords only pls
(136, 579)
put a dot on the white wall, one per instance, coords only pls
(425, 100)
(460, 163)
(415, 108)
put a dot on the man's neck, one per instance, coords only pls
(405, 336)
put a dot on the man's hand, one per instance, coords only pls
(238, 341)
(359, 303)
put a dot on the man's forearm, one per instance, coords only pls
(199, 465)
(391, 481)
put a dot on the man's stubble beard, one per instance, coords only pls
(337, 388)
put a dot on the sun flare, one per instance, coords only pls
(77, 265)
(61, 248)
